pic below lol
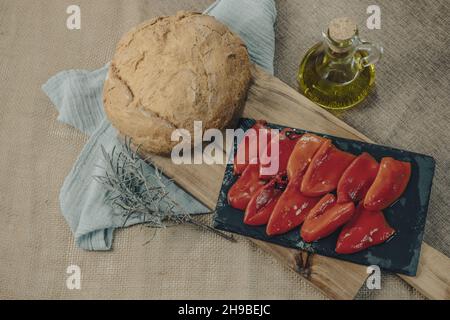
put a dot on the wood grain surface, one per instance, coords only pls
(272, 100)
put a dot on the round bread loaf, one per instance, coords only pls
(171, 71)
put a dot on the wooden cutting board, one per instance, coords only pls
(272, 100)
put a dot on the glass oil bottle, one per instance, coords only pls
(338, 73)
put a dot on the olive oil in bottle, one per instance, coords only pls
(339, 72)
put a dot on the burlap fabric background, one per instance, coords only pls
(409, 110)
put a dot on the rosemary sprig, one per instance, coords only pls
(134, 190)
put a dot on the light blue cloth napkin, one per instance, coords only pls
(77, 94)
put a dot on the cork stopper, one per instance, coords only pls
(341, 29)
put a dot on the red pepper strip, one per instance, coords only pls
(243, 189)
(392, 179)
(357, 179)
(261, 205)
(243, 152)
(291, 209)
(303, 152)
(286, 139)
(366, 228)
(325, 218)
(325, 170)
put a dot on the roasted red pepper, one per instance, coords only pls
(243, 189)
(325, 170)
(390, 182)
(243, 154)
(287, 138)
(367, 228)
(357, 179)
(325, 218)
(291, 209)
(261, 204)
(303, 152)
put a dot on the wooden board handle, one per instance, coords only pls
(433, 274)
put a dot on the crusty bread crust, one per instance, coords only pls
(168, 72)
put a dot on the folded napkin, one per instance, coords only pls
(77, 95)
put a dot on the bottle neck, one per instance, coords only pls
(341, 46)
(338, 63)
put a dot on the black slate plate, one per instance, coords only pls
(407, 216)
